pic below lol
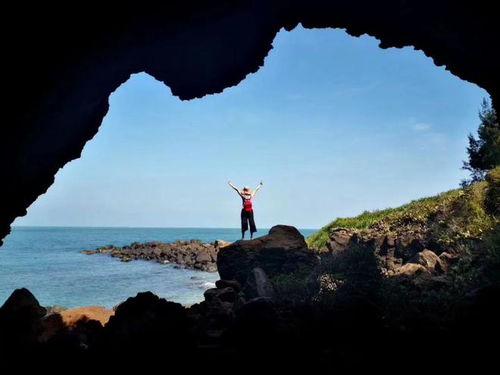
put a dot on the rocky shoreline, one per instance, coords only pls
(193, 254)
(258, 310)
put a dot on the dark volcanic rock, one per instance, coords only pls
(147, 324)
(258, 284)
(20, 321)
(226, 294)
(256, 327)
(393, 248)
(191, 254)
(231, 283)
(283, 250)
(429, 260)
(338, 239)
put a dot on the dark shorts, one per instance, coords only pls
(246, 218)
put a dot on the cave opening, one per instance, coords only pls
(332, 124)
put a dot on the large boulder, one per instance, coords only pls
(20, 321)
(283, 250)
(149, 324)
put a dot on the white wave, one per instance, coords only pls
(208, 285)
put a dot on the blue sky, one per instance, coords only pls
(332, 124)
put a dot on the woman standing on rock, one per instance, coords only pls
(247, 211)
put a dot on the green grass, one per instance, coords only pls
(449, 215)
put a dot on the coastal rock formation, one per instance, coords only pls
(193, 253)
(282, 251)
(242, 321)
(245, 268)
(398, 252)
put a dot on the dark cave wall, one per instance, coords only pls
(63, 63)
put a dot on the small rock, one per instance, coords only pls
(390, 241)
(203, 257)
(429, 260)
(338, 239)
(55, 309)
(412, 270)
(221, 243)
(227, 294)
(447, 260)
(221, 284)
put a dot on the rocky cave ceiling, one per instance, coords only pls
(61, 63)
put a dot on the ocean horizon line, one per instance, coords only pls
(135, 227)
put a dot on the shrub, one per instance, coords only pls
(492, 201)
(295, 288)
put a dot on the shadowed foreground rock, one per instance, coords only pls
(147, 323)
(282, 251)
(20, 321)
(231, 327)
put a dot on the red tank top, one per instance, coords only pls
(247, 202)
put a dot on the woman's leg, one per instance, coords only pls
(244, 223)
(252, 224)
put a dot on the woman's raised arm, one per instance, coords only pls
(234, 187)
(257, 188)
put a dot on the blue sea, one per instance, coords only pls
(49, 262)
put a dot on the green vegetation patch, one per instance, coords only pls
(450, 216)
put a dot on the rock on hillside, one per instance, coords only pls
(393, 250)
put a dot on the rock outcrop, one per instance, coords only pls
(20, 321)
(429, 260)
(241, 321)
(148, 324)
(252, 262)
(394, 250)
(193, 253)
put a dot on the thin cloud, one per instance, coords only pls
(420, 127)
(439, 139)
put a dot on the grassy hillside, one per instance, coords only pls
(451, 217)
(464, 222)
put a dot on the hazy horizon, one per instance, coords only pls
(133, 227)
